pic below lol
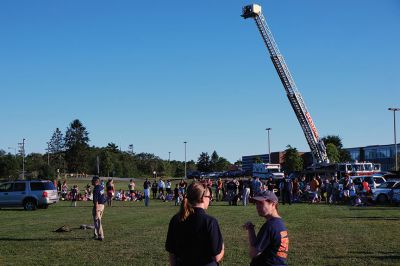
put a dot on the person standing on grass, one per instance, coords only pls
(110, 192)
(146, 192)
(98, 208)
(271, 245)
(74, 195)
(194, 238)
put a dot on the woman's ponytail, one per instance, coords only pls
(185, 210)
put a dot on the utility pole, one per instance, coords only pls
(394, 110)
(48, 153)
(22, 152)
(269, 146)
(185, 159)
(131, 148)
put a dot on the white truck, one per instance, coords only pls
(267, 170)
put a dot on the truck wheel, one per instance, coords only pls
(30, 205)
(382, 199)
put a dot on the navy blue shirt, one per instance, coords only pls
(98, 195)
(195, 241)
(273, 243)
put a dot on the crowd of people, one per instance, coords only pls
(233, 191)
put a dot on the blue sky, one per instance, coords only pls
(155, 74)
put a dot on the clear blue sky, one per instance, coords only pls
(155, 74)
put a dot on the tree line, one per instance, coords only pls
(71, 153)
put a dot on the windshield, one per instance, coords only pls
(387, 185)
(368, 167)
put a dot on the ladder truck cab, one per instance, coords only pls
(267, 170)
(316, 144)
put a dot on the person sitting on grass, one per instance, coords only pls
(118, 196)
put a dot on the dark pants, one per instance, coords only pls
(287, 197)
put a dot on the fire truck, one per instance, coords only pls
(316, 144)
(267, 170)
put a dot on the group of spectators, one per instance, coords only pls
(233, 191)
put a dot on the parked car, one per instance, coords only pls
(395, 193)
(30, 194)
(373, 181)
(382, 193)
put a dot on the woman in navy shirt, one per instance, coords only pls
(194, 238)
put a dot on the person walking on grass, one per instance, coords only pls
(271, 245)
(98, 208)
(74, 195)
(194, 238)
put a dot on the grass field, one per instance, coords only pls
(135, 235)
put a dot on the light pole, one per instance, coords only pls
(395, 141)
(185, 158)
(169, 156)
(22, 152)
(269, 149)
(48, 153)
(131, 148)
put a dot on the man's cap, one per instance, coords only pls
(265, 195)
(95, 178)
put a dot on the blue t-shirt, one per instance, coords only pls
(98, 195)
(273, 243)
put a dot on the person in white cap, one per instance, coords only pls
(271, 245)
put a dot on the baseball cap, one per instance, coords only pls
(265, 195)
(95, 178)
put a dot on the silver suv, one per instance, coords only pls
(30, 194)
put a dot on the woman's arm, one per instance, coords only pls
(249, 226)
(219, 257)
(172, 261)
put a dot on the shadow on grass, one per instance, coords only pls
(375, 218)
(8, 210)
(374, 208)
(370, 255)
(44, 239)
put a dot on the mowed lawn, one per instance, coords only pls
(135, 235)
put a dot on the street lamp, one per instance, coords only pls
(269, 150)
(185, 159)
(394, 129)
(48, 153)
(169, 156)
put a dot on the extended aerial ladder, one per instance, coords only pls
(316, 144)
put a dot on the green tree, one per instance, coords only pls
(345, 156)
(335, 140)
(293, 160)
(214, 161)
(56, 148)
(203, 162)
(333, 153)
(9, 165)
(258, 159)
(112, 147)
(76, 145)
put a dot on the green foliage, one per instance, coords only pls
(293, 160)
(203, 163)
(9, 165)
(335, 140)
(333, 153)
(258, 160)
(76, 145)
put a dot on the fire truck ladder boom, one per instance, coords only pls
(317, 146)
